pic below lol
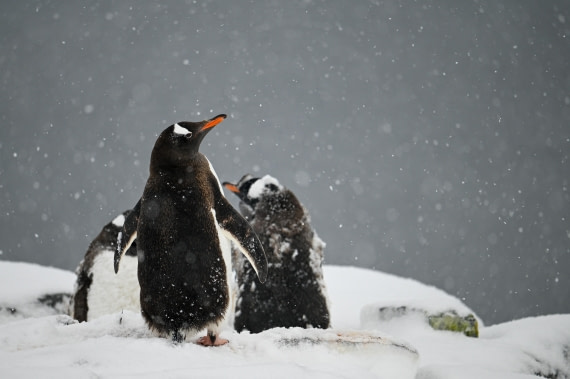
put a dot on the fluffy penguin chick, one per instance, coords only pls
(98, 291)
(294, 294)
(182, 225)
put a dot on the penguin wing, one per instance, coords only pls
(238, 230)
(127, 235)
(79, 307)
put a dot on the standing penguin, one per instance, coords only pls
(183, 226)
(294, 294)
(98, 291)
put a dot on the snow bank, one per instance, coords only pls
(350, 288)
(120, 344)
(28, 290)
(22, 282)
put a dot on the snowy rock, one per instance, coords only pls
(524, 348)
(380, 354)
(360, 287)
(120, 344)
(29, 290)
(449, 320)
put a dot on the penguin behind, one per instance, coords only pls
(98, 291)
(294, 294)
(183, 226)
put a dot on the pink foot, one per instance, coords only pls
(212, 340)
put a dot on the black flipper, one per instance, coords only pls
(80, 304)
(127, 235)
(237, 229)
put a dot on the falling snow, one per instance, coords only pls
(428, 141)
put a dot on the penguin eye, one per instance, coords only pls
(188, 135)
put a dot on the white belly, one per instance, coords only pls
(226, 248)
(109, 292)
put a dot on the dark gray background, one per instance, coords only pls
(428, 139)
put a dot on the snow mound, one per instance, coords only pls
(355, 287)
(537, 344)
(30, 290)
(120, 344)
(21, 282)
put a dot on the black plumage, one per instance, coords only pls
(183, 259)
(294, 294)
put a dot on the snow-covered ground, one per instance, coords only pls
(36, 341)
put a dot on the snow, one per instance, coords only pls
(42, 280)
(316, 261)
(261, 185)
(180, 130)
(366, 287)
(119, 344)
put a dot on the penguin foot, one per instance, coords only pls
(212, 340)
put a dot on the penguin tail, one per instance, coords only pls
(177, 336)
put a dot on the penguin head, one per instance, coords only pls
(179, 143)
(250, 189)
(266, 200)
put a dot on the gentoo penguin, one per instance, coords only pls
(294, 294)
(98, 291)
(183, 226)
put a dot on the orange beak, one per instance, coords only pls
(214, 121)
(231, 187)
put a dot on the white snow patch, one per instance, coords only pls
(89, 108)
(24, 282)
(316, 258)
(260, 186)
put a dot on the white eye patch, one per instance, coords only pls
(119, 221)
(180, 130)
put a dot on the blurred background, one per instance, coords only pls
(427, 139)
